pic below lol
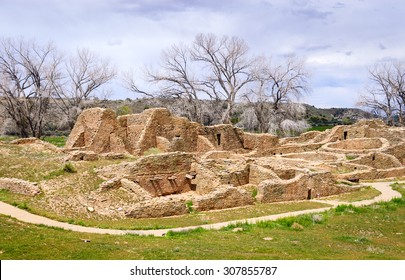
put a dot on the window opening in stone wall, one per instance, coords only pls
(344, 135)
(309, 196)
(219, 139)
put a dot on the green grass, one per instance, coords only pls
(320, 128)
(364, 193)
(7, 138)
(19, 162)
(58, 141)
(351, 157)
(373, 232)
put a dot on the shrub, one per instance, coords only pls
(69, 168)
(254, 193)
(189, 205)
(123, 110)
(344, 208)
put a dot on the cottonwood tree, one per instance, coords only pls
(227, 68)
(84, 74)
(176, 79)
(212, 68)
(385, 95)
(274, 94)
(27, 73)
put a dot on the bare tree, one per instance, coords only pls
(85, 73)
(27, 72)
(398, 84)
(275, 91)
(227, 65)
(385, 95)
(129, 82)
(177, 80)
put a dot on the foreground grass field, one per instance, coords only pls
(347, 232)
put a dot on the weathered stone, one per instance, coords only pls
(96, 130)
(152, 173)
(304, 186)
(135, 188)
(19, 186)
(113, 183)
(297, 226)
(82, 155)
(159, 207)
(223, 197)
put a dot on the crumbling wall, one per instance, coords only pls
(378, 161)
(225, 196)
(252, 141)
(96, 130)
(160, 175)
(224, 137)
(19, 186)
(304, 186)
(159, 207)
(397, 151)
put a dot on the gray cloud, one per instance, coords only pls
(338, 5)
(317, 48)
(115, 42)
(311, 13)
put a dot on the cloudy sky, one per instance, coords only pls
(339, 39)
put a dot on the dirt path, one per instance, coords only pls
(387, 193)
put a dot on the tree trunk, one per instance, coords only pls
(226, 116)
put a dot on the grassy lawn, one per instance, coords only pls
(58, 141)
(373, 232)
(33, 166)
(7, 138)
(362, 194)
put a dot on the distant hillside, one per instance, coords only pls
(334, 116)
(316, 117)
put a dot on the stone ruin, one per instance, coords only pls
(216, 167)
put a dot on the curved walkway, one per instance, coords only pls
(387, 193)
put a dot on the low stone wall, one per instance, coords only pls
(223, 197)
(373, 174)
(378, 160)
(159, 207)
(19, 186)
(304, 186)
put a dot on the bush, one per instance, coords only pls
(69, 168)
(123, 110)
(254, 193)
(189, 205)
